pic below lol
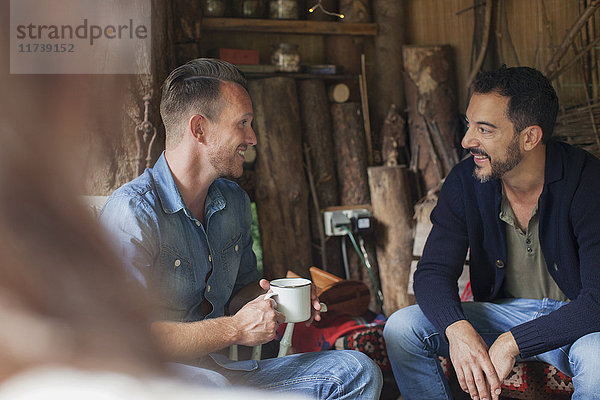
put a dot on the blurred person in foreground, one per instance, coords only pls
(71, 327)
(527, 208)
(184, 234)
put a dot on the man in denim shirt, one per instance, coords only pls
(184, 234)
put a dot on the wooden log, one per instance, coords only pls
(350, 155)
(385, 85)
(392, 210)
(351, 165)
(281, 190)
(339, 93)
(316, 123)
(393, 137)
(430, 85)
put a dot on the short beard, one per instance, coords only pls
(223, 163)
(513, 158)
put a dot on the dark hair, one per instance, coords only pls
(533, 100)
(195, 84)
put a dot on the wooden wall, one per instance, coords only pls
(534, 37)
(535, 28)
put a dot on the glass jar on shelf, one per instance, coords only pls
(286, 57)
(249, 8)
(214, 8)
(283, 9)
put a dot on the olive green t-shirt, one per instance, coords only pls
(526, 275)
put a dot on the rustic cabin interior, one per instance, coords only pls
(359, 111)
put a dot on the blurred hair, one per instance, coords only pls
(64, 298)
(195, 85)
(532, 99)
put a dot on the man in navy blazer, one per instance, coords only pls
(528, 211)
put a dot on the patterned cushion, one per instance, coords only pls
(530, 380)
(556, 382)
(368, 341)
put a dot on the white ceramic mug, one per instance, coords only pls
(293, 298)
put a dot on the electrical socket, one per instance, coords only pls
(355, 219)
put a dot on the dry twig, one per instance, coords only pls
(587, 99)
(554, 64)
(484, 43)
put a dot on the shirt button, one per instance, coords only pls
(207, 288)
(236, 248)
(198, 223)
(499, 264)
(528, 241)
(177, 263)
(529, 250)
(209, 258)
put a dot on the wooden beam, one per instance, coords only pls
(390, 197)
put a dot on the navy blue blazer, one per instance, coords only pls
(467, 217)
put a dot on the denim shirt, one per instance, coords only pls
(171, 253)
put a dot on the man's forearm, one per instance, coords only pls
(186, 341)
(255, 323)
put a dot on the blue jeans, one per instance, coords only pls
(413, 345)
(335, 374)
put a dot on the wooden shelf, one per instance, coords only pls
(289, 26)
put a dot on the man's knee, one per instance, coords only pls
(367, 366)
(349, 374)
(402, 325)
(585, 364)
(351, 362)
(360, 373)
(583, 354)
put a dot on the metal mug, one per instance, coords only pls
(292, 296)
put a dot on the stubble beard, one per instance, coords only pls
(224, 164)
(499, 168)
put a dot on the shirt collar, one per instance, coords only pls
(171, 199)
(169, 195)
(215, 201)
(508, 215)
